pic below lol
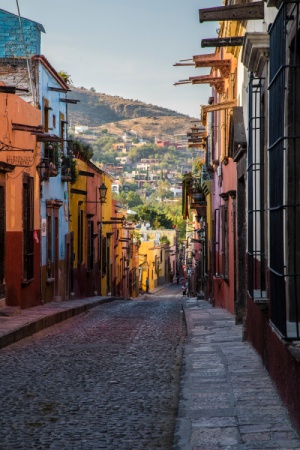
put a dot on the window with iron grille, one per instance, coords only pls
(104, 256)
(46, 110)
(256, 185)
(225, 241)
(284, 171)
(49, 244)
(80, 235)
(62, 126)
(2, 237)
(90, 256)
(28, 228)
(99, 247)
(216, 243)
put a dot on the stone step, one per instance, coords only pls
(9, 311)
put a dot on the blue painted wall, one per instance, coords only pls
(11, 41)
(55, 188)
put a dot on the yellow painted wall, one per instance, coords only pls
(147, 248)
(75, 199)
(106, 212)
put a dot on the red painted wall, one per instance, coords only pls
(284, 369)
(18, 294)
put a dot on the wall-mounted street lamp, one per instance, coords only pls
(102, 193)
(43, 170)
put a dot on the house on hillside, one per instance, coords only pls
(81, 129)
(122, 160)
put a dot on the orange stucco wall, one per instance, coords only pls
(14, 110)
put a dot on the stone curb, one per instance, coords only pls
(33, 320)
(189, 304)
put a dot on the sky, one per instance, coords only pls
(126, 47)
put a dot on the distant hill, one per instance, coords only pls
(117, 115)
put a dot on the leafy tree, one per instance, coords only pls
(164, 240)
(156, 219)
(103, 148)
(105, 158)
(82, 149)
(163, 190)
(130, 186)
(133, 199)
(122, 198)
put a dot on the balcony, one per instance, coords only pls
(51, 158)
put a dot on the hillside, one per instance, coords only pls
(117, 115)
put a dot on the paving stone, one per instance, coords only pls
(105, 379)
(109, 379)
(227, 399)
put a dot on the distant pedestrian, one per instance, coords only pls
(183, 290)
(147, 284)
(177, 279)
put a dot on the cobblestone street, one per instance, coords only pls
(107, 379)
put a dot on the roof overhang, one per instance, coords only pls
(44, 61)
(248, 11)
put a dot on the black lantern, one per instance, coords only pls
(102, 192)
(43, 170)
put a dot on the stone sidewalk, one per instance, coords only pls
(33, 320)
(227, 399)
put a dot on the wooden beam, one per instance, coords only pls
(223, 42)
(44, 137)
(219, 106)
(11, 89)
(55, 89)
(224, 65)
(183, 64)
(216, 82)
(249, 11)
(179, 83)
(28, 128)
(68, 100)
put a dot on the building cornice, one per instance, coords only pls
(256, 51)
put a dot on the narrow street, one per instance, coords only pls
(107, 379)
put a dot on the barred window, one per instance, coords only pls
(49, 244)
(28, 228)
(225, 242)
(104, 256)
(2, 237)
(216, 242)
(284, 172)
(80, 235)
(256, 187)
(90, 247)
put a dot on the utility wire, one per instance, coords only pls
(26, 51)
